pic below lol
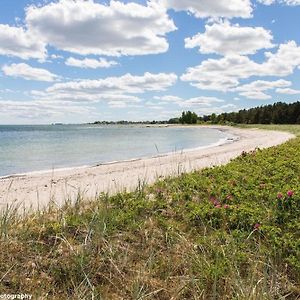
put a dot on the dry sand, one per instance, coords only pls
(36, 190)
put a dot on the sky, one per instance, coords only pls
(77, 61)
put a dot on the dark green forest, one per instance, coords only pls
(277, 113)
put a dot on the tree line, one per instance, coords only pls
(277, 113)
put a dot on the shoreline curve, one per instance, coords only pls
(163, 154)
(35, 190)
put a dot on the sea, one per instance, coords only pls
(31, 148)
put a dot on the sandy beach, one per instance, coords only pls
(36, 190)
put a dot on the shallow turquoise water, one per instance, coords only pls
(34, 148)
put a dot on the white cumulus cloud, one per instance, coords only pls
(88, 27)
(201, 101)
(285, 2)
(191, 102)
(287, 91)
(226, 39)
(266, 2)
(29, 73)
(213, 8)
(117, 92)
(90, 63)
(225, 73)
(220, 74)
(256, 89)
(127, 83)
(16, 41)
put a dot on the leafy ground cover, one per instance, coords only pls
(228, 232)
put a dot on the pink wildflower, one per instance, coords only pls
(218, 206)
(214, 201)
(226, 206)
(256, 226)
(290, 193)
(279, 196)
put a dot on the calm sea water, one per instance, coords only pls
(34, 148)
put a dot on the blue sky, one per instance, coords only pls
(81, 61)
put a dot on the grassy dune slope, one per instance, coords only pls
(230, 232)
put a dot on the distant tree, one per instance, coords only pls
(278, 113)
(213, 118)
(174, 121)
(188, 117)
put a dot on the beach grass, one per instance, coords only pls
(295, 129)
(228, 232)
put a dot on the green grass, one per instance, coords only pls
(220, 233)
(295, 129)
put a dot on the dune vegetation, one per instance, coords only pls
(228, 232)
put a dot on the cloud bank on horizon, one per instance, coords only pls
(85, 60)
